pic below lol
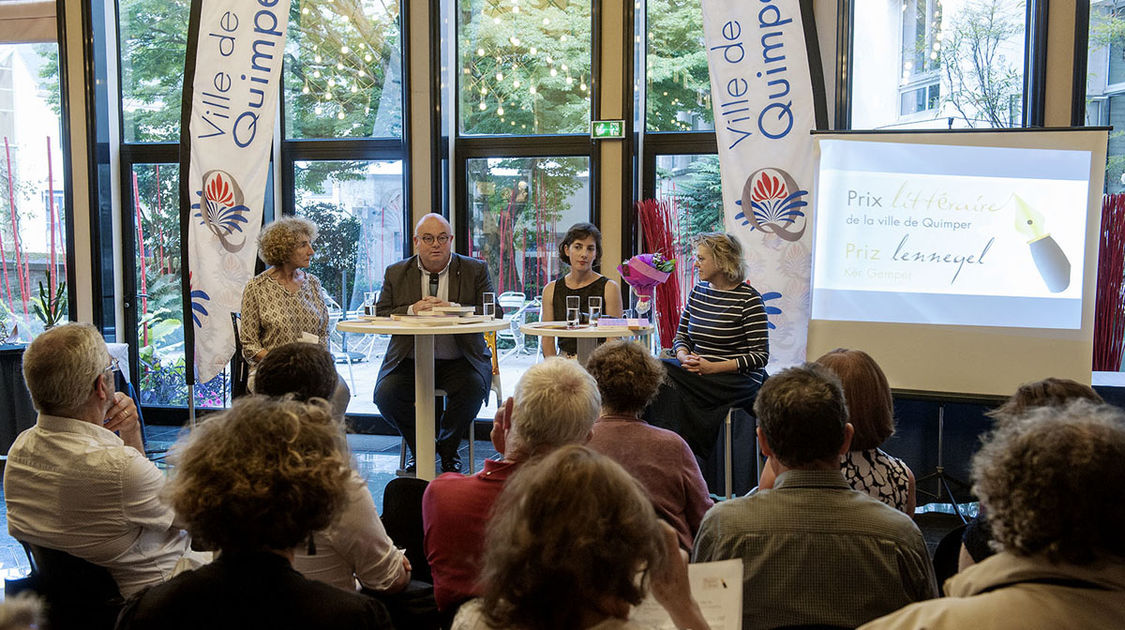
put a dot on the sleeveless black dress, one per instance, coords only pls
(558, 310)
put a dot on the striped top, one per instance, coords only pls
(721, 325)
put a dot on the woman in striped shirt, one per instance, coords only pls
(721, 346)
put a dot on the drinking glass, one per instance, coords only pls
(573, 307)
(488, 304)
(594, 308)
(369, 302)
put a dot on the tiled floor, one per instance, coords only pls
(377, 459)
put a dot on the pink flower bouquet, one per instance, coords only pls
(643, 272)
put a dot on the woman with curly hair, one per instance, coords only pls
(284, 303)
(573, 544)
(1053, 483)
(722, 347)
(254, 482)
(628, 378)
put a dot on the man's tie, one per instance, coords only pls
(433, 284)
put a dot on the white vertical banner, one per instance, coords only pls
(231, 84)
(766, 98)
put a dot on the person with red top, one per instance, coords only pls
(555, 403)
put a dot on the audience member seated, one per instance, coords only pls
(254, 482)
(628, 378)
(354, 551)
(1049, 392)
(814, 550)
(70, 484)
(1052, 485)
(555, 403)
(22, 612)
(575, 543)
(871, 412)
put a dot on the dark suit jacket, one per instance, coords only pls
(402, 287)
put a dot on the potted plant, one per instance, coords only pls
(50, 308)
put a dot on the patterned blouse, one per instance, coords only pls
(879, 475)
(273, 316)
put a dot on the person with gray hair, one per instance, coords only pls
(286, 304)
(1053, 483)
(555, 404)
(71, 484)
(814, 550)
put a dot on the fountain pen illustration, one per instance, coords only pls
(1053, 265)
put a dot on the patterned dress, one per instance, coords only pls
(273, 315)
(879, 475)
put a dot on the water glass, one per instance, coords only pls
(369, 302)
(594, 309)
(488, 304)
(573, 307)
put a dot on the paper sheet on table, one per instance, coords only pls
(309, 338)
(717, 586)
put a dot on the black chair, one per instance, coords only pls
(402, 518)
(78, 594)
(947, 556)
(239, 369)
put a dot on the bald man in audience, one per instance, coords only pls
(814, 551)
(555, 403)
(71, 484)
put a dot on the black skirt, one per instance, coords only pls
(695, 405)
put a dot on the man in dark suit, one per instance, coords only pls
(435, 277)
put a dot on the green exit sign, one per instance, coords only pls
(607, 129)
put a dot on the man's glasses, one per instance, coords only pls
(113, 366)
(441, 239)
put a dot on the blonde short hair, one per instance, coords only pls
(61, 365)
(727, 252)
(555, 403)
(280, 238)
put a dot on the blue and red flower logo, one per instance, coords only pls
(221, 209)
(775, 201)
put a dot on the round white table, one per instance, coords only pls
(586, 334)
(423, 371)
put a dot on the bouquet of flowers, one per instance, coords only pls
(643, 272)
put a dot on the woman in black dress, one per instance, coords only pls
(581, 248)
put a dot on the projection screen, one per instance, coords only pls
(962, 261)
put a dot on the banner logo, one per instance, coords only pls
(225, 211)
(775, 201)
